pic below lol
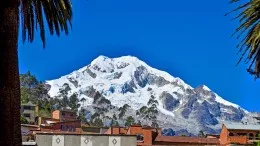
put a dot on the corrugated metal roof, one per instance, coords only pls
(243, 126)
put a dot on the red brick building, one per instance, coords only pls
(148, 136)
(64, 115)
(239, 134)
(61, 120)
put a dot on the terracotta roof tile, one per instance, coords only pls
(181, 139)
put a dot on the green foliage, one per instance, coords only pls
(149, 112)
(64, 90)
(248, 33)
(95, 115)
(129, 121)
(56, 13)
(103, 100)
(24, 120)
(82, 116)
(143, 110)
(152, 101)
(97, 122)
(74, 102)
(155, 124)
(114, 117)
(32, 89)
(35, 91)
(201, 133)
(44, 113)
(114, 123)
(123, 110)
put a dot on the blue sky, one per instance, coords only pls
(188, 39)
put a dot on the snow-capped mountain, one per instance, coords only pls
(128, 80)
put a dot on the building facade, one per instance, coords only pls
(148, 136)
(64, 115)
(241, 134)
(29, 111)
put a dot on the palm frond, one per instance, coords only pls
(249, 33)
(34, 14)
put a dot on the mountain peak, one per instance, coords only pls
(128, 80)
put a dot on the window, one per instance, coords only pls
(231, 134)
(27, 108)
(27, 115)
(63, 114)
(71, 114)
(251, 136)
(140, 138)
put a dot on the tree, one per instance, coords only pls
(82, 116)
(24, 120)
(248, 33)
(30, 14)
(123, 110)
(98, 122)
(129, 121)
(74, 102)
(201, 133)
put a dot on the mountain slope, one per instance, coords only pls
(128, 80)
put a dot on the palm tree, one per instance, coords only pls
(248, 32)
(30, 14)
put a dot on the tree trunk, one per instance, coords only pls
(10, 129)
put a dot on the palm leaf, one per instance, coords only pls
(249, 33)
(34, 13)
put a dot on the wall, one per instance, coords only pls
(84, 140)
(56, 114)
(67, 115)
(147, 134)
(224, 135)
(237, 139)
(226, 139)
(67, 126)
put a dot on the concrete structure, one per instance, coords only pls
(243, 134)
(69, 139)
(29, 111)
(27, 131)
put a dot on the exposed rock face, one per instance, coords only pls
(202, 114)
(73, 81)
(127, 88)
(89, 91)
(141, 75)
(168, 132)
(93, 75)
(159, 81)
(169, 102)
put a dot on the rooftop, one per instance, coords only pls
(28, 104)
(77, 133)
(243, 127)
(182, 139)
